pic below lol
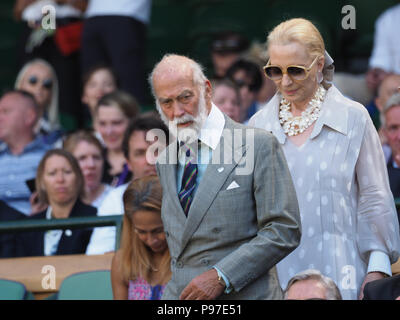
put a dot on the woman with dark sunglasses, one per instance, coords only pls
(350, 230)
(39, 78)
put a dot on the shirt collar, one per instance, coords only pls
(35, 143)
(334, 112)
(212, 128)
(48, 213)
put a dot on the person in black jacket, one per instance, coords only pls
(7, 240)
(60, 184)
(383, 289)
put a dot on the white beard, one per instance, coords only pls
(191, 133)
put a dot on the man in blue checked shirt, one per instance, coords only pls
(21, 151)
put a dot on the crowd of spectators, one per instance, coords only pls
(48, 171)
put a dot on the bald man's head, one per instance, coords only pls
(172, 65)
(18, 114)
(183, 95)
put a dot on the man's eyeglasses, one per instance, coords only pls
(275, 72)
(47, 83)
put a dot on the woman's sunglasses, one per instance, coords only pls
(47, 83)
(276, 73)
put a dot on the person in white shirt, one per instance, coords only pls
(135, 148)
(385, 57)
(114, 33)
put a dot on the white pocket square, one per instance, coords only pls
(233, 185)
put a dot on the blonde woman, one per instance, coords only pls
(141, 268)
(39, 78)
(349, 223)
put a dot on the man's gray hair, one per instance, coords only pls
(393, 101)
(332, 291)
(198, 74)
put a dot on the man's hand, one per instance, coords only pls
(371, 276)
(205, 286)
(36, 205)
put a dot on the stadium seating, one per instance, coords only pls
(92, 285)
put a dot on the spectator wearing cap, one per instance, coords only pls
(248, 77)
(226, 48)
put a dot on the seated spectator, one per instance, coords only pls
(8, 240)
(60, 185)
(391, 130)
(226, 48)
(87, 149)
(135, 146)
(22, 149)
(97, 82)
(39, 78)
(141, 268)
(385, 56)
(258, 54)
(383, 289)
(59, 47)
(248, 77)
(114, 32)
(375, 107)
(311, 285)
(112, 116)
(226, 97)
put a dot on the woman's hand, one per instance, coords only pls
(36, 205)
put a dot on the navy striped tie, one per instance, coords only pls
(188, 180)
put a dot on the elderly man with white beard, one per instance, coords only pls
(226, 228)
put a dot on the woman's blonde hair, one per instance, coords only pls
(298, 30)
(52, 108)
(142, 194)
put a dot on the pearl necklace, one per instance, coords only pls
(294, 125)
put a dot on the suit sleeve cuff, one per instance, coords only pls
(380, 262)
(228, 287)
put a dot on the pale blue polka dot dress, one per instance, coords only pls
(346, 206)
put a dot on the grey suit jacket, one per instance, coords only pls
(243, 231)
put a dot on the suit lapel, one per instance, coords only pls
(213, 179)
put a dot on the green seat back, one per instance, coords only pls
(12, 290)
(91, 285)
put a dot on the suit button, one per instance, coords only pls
(205, 262)
(179, 264)
(173, 261)
(216, 230)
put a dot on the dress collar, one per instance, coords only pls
(334, 114)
